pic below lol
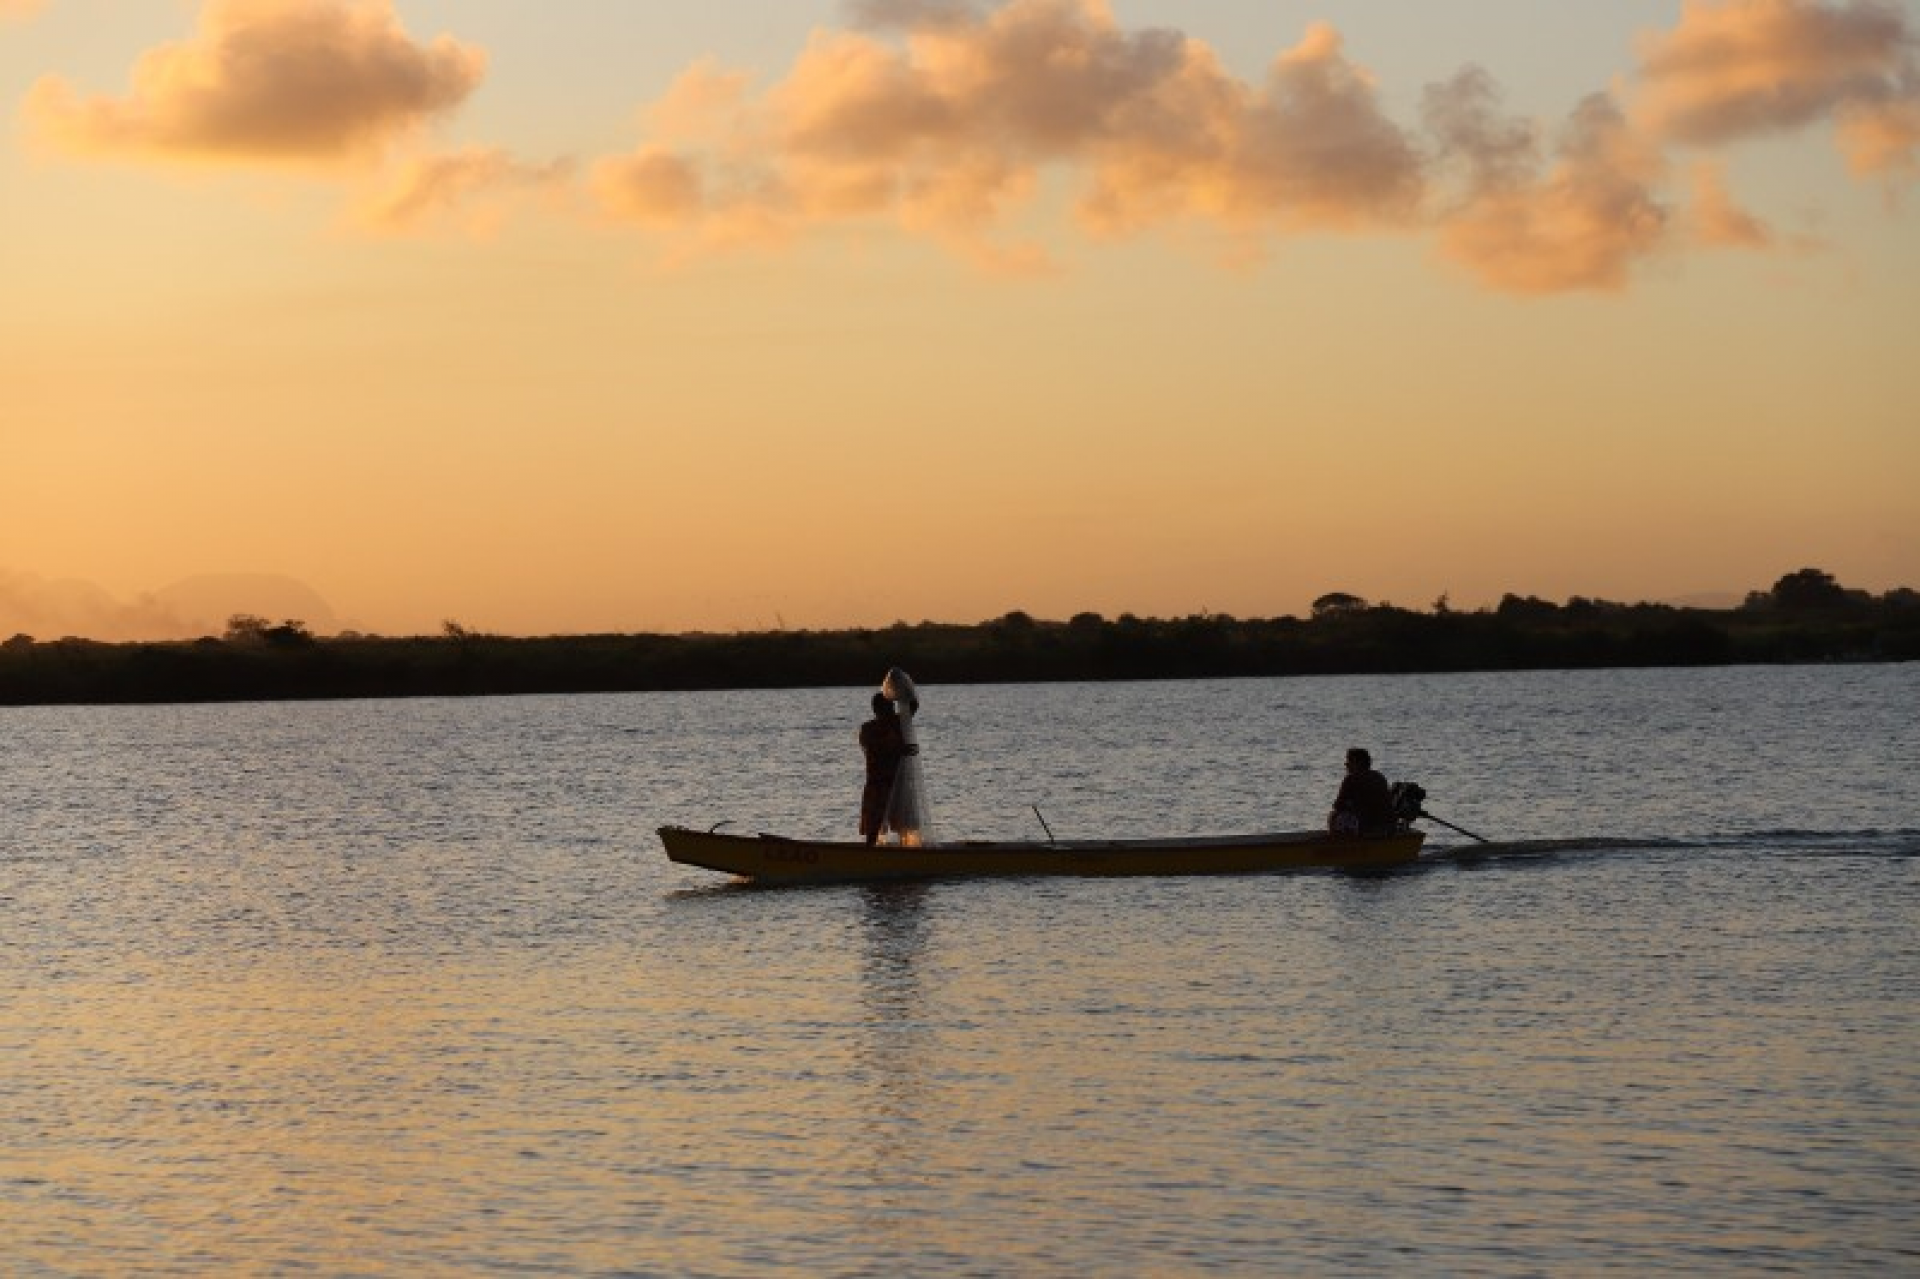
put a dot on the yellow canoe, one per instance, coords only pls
(774, 859)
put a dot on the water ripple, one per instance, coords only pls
(407, 988)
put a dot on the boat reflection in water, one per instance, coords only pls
(896, 1045)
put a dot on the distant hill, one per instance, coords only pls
(52, 608)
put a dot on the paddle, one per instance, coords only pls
(1423, 813)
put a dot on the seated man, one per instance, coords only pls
(1364, 805)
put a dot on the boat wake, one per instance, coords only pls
(1827, 843)
(1552, 848)
(1804, 843)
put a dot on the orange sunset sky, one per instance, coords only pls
(591, 315)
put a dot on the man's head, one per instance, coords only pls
(883, 705)
(1358, 760)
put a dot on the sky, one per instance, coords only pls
(593, 316)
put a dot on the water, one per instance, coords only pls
(407, 987)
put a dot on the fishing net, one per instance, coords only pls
(907, 812)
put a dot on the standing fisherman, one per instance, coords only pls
(885, 745)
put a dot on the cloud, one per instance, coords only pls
(20, 10)
(1481, 147)
(653, 185)
(949, 118)
(908, 14)
(1882, 138)
(472, 185)
(1309, 149)
(1586, 218)
(1582, 224)
(971, 123)
(1746, 68)
(707, 103)
(1717, 221)
(304, 81)
(950, 130)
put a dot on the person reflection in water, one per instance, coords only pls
(885, 745)
(1364, 805)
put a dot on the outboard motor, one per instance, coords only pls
(1407, 799)
(1409, 803)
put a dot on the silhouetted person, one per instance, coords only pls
(885, 746)
(1364, 805)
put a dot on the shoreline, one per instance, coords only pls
(285, 663)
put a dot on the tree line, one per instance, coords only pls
(1806, 616)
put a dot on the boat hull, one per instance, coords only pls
(773, 859)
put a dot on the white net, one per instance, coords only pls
(907, 813)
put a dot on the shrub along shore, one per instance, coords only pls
(1806, 617)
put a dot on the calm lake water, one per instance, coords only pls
(408, 988)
